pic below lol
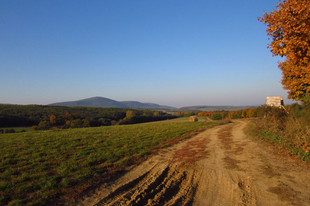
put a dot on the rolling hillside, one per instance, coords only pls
(214, 108)
(105, 102)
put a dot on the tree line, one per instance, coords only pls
(239, 114)
(44, 117)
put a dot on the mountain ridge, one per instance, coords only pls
(215, 108)
(106, 102)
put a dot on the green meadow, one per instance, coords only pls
(42, 166)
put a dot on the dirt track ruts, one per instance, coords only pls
(221, 166)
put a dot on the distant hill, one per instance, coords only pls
(105, 102)
(215, 108)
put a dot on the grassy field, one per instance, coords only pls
(181, 119)
(18, 129)
(37, 167)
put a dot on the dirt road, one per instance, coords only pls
(221, 166)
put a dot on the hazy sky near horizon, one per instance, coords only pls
(169, 52)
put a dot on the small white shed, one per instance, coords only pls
(274, 101)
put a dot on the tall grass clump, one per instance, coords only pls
(39, 167)
(289, 130)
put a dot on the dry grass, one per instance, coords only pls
(289, 135)
(191, 152)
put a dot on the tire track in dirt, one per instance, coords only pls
(221, 166)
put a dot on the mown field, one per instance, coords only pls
(39, 167)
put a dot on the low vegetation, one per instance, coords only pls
(288, 130)
(37, 167)
(46, 117)
(239, 114)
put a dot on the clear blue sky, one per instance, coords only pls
(170, 52)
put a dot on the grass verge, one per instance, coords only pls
(39, 167)
(290, 137)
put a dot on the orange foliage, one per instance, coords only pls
(204, 114)
(130, 114)
(66, 117)
(289, 29)
(156, 114)
(53, 119)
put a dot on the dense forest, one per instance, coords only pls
(47, 116)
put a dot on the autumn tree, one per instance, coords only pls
(289, 29)
(53, 119)
(156, 113)
(66, 117)
(130, 114)
(244, 114)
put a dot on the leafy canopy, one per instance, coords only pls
(289, 29)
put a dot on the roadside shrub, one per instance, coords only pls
(216, 116)
(235, 115)
(224, 114)
(291, 132)
(275, 117)
(295, 109)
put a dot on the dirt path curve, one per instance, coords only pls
(221, 166)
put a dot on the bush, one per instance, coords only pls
(77, 123)
(216, 116)
(122, 121)
(86, 123)
(44, 125)
(236, 115)
(34, 128)
(6, 131)
(290, 131)
(105, 122)
(114, 122)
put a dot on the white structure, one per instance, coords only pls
(274, 101)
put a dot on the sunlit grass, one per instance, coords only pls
(292, 137)
(180, 119)
(17, 129)
(39, 166)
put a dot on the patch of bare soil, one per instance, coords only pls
(221, 166)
